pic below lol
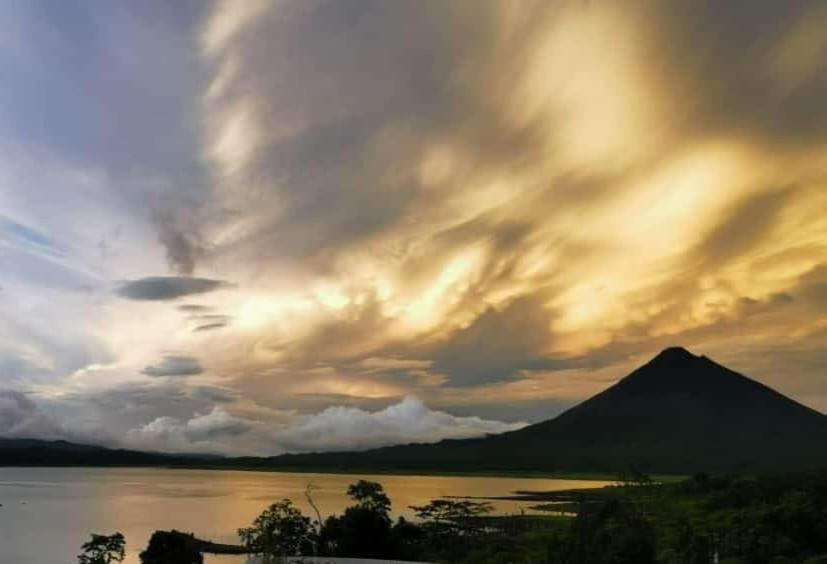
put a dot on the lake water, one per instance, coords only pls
(47, 513)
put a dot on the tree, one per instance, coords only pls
(103, 549)
(633, 477)
(371, 496)
(172, 547)
(365, 528)
(280, 530)
(612, 531)
(445, 516)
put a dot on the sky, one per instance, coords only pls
(262, 227)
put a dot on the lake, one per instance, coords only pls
(47, 513)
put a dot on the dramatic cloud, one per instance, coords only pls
(497, 207)
(201, 431)
(498, 345)
(174, 365)
(334, 428)
(157, 288)
(179, 239)
(213, 394)
(20, 417)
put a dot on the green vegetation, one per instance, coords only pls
(771, 519)
(776, 519)
(732, 520)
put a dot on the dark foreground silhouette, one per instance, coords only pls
(777, 519)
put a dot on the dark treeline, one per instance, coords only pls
(774, 519)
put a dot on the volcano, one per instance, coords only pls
(677, 413)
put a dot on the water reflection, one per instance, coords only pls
(48, 512)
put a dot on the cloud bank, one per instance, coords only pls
(335, 428)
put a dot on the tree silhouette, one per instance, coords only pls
(171, 547)
(445, 517)
(370, 496)
(280, 530)
(365, 529)
(103, 549)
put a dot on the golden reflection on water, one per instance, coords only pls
(65, 505)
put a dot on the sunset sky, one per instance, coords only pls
(258, 227)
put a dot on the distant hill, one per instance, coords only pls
(33, 452)
(678, 413)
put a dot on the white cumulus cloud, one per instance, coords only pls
(351, 428)
(205, 432)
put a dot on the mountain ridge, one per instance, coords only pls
(677, 413)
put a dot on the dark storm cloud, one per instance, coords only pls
(141, 401)
(193, 308)
(210, 327)
(139, 397)
(174, 365)
(352, 159)
(750, 66)
(25, 416)
(210, 321)
(21, 417)
(812, 287)
(160, 288)
(179, 235)
(213, 394)
(498, 345)
(746, 226)
(213, 429)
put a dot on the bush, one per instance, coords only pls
(103, 549)
(172, 547)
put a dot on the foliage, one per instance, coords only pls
(449, 517)
(171, 547)
(370, 496)
(365, 529)
(632, 476)
(103, 549)
(614, 531)
(280, 530)
(359, 532)
(736, 520)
